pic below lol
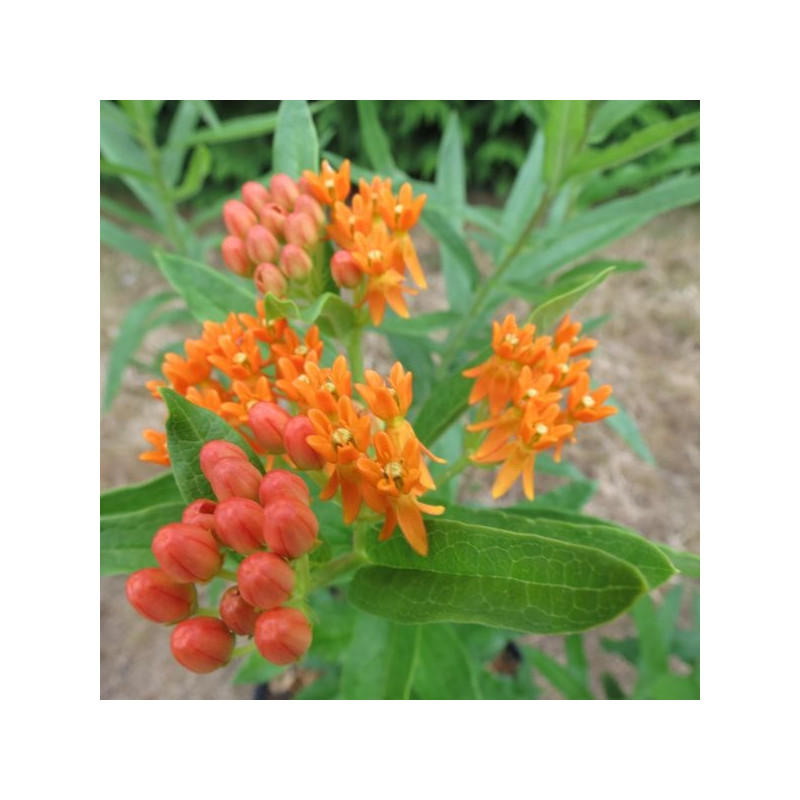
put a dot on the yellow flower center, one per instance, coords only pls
(511, 339)
(240, 358)
(394, 471)
(531, 393)
(540, 428)
(341, 437)
(329, 386)
(301, 350)
(588, 401)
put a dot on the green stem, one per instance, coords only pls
(333, 569)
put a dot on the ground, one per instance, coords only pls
(649, 351)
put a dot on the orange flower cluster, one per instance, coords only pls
(226, 370)
(521, 388)
(371, 454)
(372, 231)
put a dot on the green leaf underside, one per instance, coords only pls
(209, 293)
(125, 538)
(495, 577)
(334, 316)
(654, 566)
(137, 496)
(295, 147)
(189, 427)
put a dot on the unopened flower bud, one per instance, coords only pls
(187, 553)
(267, 421)
(265, 580)
(284, 190)
(234, 254)
(255, 196)
(158, 598)
(240, 524)
(237, 613)
(308, 205)
(234, 478)
(283, 635)
(280, 484)
(295, 262)
(345, 270)
(262, 246)
(270, 280)
(300, 229)
(273, 218)
(290, 528)
(202, 644)
(200, 512)
(213, 452)
(297, 430)
(238, 218)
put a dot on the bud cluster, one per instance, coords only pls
(269, 521)
(272, 233)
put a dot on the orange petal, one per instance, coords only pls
(412, 525)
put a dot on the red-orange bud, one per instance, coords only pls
(187, 553)
(300, 229)
(234, 254)
(158, 598)
(212, 453)
(308, 205)
(280, 484)
(234, 478)
(297, 430)
(255, 196)
(262, 246)
(290, 528)
(265, 580)
(270, 280)
(200, 512)
(295, 262)
(273, 218)
(283, 635)
(202, 644)
(345, 270)
(238, 217)
(267, 421)
(237, 613)
(240, 524)
(284, 190)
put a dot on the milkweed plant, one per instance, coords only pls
(307, 513)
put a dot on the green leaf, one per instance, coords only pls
(118, 238)
(118, 170)
(576, 658)
(611, 114)
(589, 269)
(573, 496)
(672, 687)
(209, 293)
(495, 577)
(451, 171)
(461, 258)
(634, 146)
(442, 408)
(189, 427)
(138, 496)
(184, 121)
(196, 174)
(653, 650)
(563, 130)
(125, 538)
(611, 539)
(126, 213)
(334, 316)
(295, 147)
(133, 329)
(623, 424)
(417, 326)
(557, 675)
(562, 298)
(381, 660)
(374, 139)
(527, 193)
(612, 688)
(206, 111)
(445, 670)
(686, 563)
(534, 110)
(256, 669)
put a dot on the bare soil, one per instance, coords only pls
(649, 351)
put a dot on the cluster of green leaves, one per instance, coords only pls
(533, 568)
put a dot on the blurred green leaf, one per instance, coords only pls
(206, 111)
(184, 121)
(612, 688)
(462, 272)
(556, 674)
(295, 147)
(442, 408)
(138, 496)
(118, 238)
(576, 659)
(527, 193)
(210, 294)
(610, 114)
(634, 146)
(333, 315)
(418, 326)
(534, 110)
(563, 129)
(126, 213)
(445, 670)
(256, 669)
(626, 428)
(196, 174)
(562, 298)
(135, 325)
(189, 427)
(686, 563)
(374, 138)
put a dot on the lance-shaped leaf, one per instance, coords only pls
(445, 670)
(563, 130)
(138, 496)
(296, 146)
(189, 427)
(495, 577)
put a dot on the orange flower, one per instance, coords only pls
(158, 440)
(387, 402)
(298, 352)
(568, 333)
(341, 442)
(394, 476)
(317, 387)
(330, 185)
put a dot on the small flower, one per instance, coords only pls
(330, 185)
